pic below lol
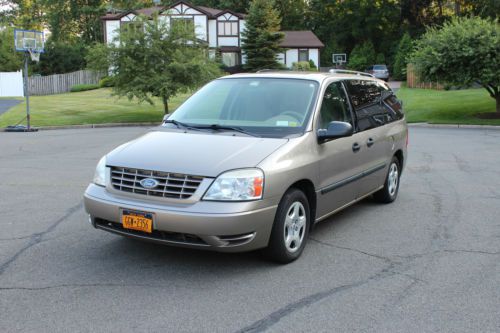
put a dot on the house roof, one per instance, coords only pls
(305, 38)
(210, 12)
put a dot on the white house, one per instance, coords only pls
(221, 29)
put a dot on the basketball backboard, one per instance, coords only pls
(29, 41)
(339, 58)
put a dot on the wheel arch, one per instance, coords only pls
(307, 187)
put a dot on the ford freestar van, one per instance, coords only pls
(253, 161)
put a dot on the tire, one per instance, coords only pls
(290, 229)
(391, 186)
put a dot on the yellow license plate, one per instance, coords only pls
(139, 221)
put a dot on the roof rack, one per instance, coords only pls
(345, 71)
(268, 70)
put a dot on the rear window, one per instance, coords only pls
(379, 67)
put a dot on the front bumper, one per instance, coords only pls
(220, 226)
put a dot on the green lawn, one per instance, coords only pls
(88, 107)
(98, 106)
(447, 107)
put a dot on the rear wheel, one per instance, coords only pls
(391, 186)
(291, 227)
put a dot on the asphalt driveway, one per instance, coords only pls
(430, 262)
(6, 104)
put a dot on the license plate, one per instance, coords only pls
(139, 221)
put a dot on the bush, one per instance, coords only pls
(60, 58)
(405, 47)
(106, 82)
(362, 56)
(84, 87)
(301, 66)
(312, 65)
(98, 58)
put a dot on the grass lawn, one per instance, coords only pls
(447, 107)
(87, 107)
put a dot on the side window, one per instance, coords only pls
(392, 106)
(334, 106)
(365, 97)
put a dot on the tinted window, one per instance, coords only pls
(366, 98)
(334, 106)
(380, 67)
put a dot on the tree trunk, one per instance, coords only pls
(165, 104)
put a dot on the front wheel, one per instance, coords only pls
(391, 186)
(291, 227)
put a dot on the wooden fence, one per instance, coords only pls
(413, 81)
(61, 83)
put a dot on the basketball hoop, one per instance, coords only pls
(35, 56)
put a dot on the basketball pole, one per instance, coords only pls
(26, 89)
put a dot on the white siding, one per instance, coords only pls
(128, 18)
(292, 55)
(314, 56)
(242, 26)
(281, 58)
(228, 41)
(212, 33)
(200, 23)
(227, 17)
(112, 30)
(11, 84)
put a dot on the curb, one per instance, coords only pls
(90, 126)
(464, 126)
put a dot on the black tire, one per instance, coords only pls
(278, 250)
(388, 194)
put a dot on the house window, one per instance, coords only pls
(230, 59)
(227, 28)
(179, 23)
(303, 55)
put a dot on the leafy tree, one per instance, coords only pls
(362, 56)
(98, 57)
(10, 60)
(262, 37)
(60, 58)
(464, 51)
(292, 14)
(405, 47)
(154, 60)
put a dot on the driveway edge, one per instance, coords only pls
(427, 125)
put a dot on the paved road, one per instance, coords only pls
(430, 262)
(6, 104)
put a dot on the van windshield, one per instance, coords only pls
(270, 107)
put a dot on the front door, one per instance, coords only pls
(338, 159)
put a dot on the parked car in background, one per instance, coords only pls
(253, 161)
(379, 71)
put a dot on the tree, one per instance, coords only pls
(464, 51)
(362, 56)
(10, 60)
(292, 14)
(155, 60)
(98, 57)
(60, 58)
(262, 37)
(405, 47)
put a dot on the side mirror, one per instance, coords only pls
(165, 117)
(335, 130)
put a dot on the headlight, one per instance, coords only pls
(237, 185)
(100, 172)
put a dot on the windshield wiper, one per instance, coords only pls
(217, 127)
(180, 124)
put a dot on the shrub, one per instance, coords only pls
(301, 66)
(106, 81)
(362, 56)
(405, 47)
(83, 87)
(312, 65)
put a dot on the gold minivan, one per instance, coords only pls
(253, 161)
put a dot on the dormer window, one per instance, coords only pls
(228, 28)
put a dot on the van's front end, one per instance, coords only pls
(195, 181)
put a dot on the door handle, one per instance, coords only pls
(370, 142)
(356, 147)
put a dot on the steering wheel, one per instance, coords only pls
(293, 114)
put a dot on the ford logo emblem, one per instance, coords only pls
(149, 183)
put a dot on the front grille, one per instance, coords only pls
(170, 185)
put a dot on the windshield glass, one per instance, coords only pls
(266, 106)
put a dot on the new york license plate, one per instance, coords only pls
(140, 221)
